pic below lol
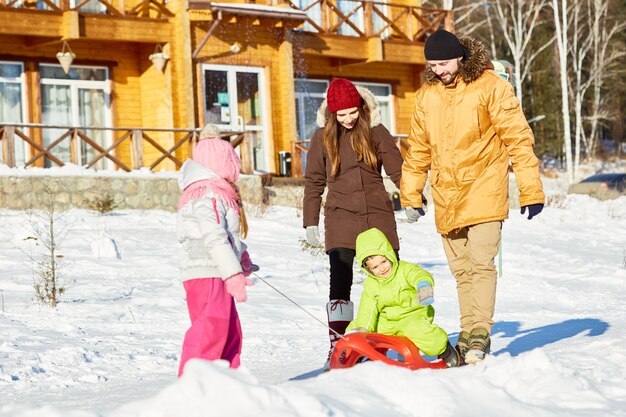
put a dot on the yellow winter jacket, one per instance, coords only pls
(465, 133)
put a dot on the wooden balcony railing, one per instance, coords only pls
(84, 146)
(143, 8)
(299, 149)
(364, 18)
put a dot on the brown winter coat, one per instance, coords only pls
(356, 199)
(465, 133)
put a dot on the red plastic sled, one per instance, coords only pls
(374, 346)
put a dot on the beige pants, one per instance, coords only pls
(471, 252)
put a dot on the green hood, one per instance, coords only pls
(374, 242)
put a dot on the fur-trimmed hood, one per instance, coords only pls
(475, 63)
(370, 100)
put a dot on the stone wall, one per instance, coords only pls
(120, 192)
(25, 192)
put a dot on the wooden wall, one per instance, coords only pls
(140, 95)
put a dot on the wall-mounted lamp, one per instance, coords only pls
(66, 57)
(159, 58)
(235, 47)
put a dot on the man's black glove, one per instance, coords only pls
(533, 210)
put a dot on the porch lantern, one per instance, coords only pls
(159, 58)
(66, 57)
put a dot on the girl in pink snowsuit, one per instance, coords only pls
(214, 262)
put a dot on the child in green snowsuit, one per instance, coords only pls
(397, 298)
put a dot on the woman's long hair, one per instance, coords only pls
(360, 139)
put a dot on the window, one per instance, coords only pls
(12, 101)
(382, 93)
(234, 100)
(310, 94)
(309, 97)
(79, 98)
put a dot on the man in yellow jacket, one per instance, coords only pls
(467, 126)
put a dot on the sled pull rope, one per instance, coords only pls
(298, 305)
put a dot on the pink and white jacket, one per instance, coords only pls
(208, 230)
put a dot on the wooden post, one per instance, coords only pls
(191, 145)
(247, 155)
(448, 23)
(136, 154)
(410, 18)
(368, 18)
(8, 146)
(325, 15)
(74, 151)
(296, 160)
(33, 112)
(70, 26)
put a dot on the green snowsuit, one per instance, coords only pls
(389, 305)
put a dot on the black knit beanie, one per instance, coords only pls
(442, 45)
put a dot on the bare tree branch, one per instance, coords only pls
(517, 20)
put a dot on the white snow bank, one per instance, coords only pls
(530, 384)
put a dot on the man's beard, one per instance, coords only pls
(451, 78)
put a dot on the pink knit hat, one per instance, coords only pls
(219, 156)
(341, 95)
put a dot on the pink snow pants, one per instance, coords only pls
(215, 331)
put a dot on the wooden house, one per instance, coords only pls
(145, 75)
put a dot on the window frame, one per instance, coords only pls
(21, 80)
(24, 116)
(383, 99)
(75, 85)
(301, 95)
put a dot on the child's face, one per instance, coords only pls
(379, 266)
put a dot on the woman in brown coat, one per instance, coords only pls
(346, 156)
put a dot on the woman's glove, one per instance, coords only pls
(236, 286)
(246, 264)
(425, 295)
(313, 235)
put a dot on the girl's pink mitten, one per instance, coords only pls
(236, 286)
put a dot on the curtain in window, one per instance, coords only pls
(56, 109)
(10, 102)
(11, 112)
(91, 106)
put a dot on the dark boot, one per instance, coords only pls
(340, 314)
(479, 345)
(450, 356)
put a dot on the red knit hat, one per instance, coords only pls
(341, 95)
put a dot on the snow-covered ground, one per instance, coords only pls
(111, 347)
